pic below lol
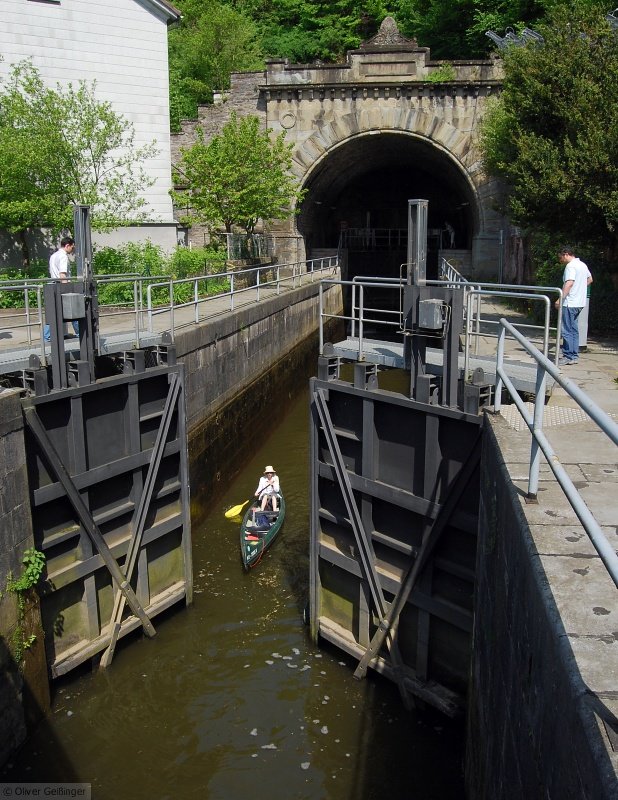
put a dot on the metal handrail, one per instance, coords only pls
(541, 444)
(29, 324)
(452, 276)
(310, 267)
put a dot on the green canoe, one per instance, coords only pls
(258, 531)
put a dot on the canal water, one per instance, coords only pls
(231, 699)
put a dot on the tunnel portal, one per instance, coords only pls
(357, 198)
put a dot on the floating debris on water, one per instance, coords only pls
(293, 666)
(304, 667)
(270, 746)
(305, 765)
(287, 658)
(269, 661)
(296, 651)
(276, 655)
(254, 732)
(324, 729)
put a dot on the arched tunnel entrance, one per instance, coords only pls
(357, 199)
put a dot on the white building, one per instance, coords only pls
(122, 44)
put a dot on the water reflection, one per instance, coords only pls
(231, 699)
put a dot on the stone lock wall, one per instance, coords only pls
(24, 693)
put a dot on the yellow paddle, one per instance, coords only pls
(234, 511)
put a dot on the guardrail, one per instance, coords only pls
(19, 324)
(245, 283)
(479, 290)
(363, 314)
(25, 312)
(540, 442)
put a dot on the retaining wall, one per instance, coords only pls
(24, 693)
(535, 728)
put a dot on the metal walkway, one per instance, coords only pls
(390, 354)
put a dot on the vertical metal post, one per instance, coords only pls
(195, 300)
(417, 241)
(361, 356)
(535, 449)
(172, 309)
(136, 307)
(321, 316)
(499, 366)
(83, 241)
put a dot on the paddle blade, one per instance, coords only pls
(234, 511)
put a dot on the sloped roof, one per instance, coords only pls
(171, 12)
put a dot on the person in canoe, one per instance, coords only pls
(268, 488)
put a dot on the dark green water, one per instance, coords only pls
(231, 699)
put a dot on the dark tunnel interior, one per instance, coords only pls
(364, 186)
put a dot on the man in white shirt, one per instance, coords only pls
(60, 270)
(576, 280)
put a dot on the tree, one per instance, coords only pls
(238, 177)
(60, 147)
(456, 28)
(304, 30)
(211, 41)
(553, 134)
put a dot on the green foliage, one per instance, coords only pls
(443, 74)
(456, 28)
(34, 564)
(150, 261)
(553, 134)
(37, 269)
(305, 30)
(211, 41)
(62, 146)
(240, 176)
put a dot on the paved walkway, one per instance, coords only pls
(583, 592)
(118, 328)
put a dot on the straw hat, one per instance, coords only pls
(269, 468)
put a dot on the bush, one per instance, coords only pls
(37, 269)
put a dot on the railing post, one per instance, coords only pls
(469, 304)
(499, 366)
(39, 304)
(196, 301)
(231, 291)
(149, 300)
(321, 316)
(278, 273)
(172, 309)
(361, 355)
(27, 306)
(535, 450)
(136, 309)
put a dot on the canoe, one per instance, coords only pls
(258, 531)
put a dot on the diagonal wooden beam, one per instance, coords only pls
(85, 517)
(388, 624)
(365, 548)
(139, 517)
